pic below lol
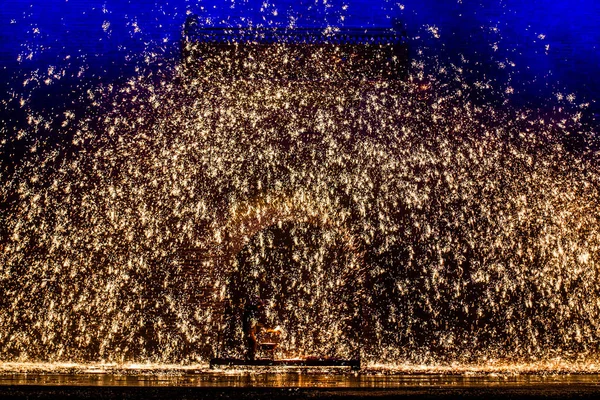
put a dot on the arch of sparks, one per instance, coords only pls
(326, 297)
(470, 227)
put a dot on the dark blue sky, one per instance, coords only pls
(554, 44)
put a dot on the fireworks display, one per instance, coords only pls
(421, 220)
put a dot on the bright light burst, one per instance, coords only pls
(412, 218)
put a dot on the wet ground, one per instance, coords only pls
(241, 384)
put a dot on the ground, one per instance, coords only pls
(246, 385)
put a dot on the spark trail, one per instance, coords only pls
(436, 227)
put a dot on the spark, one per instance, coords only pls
(446, 229)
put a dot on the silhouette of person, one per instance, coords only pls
(253, 319)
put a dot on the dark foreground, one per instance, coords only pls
(490, 393)
(286, 385)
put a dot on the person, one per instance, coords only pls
(252, 323)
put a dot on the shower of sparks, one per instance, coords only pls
(403, 217)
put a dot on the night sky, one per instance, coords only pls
(554, 44)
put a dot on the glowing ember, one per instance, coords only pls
(401, 218)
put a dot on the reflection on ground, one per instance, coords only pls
(148, 375)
